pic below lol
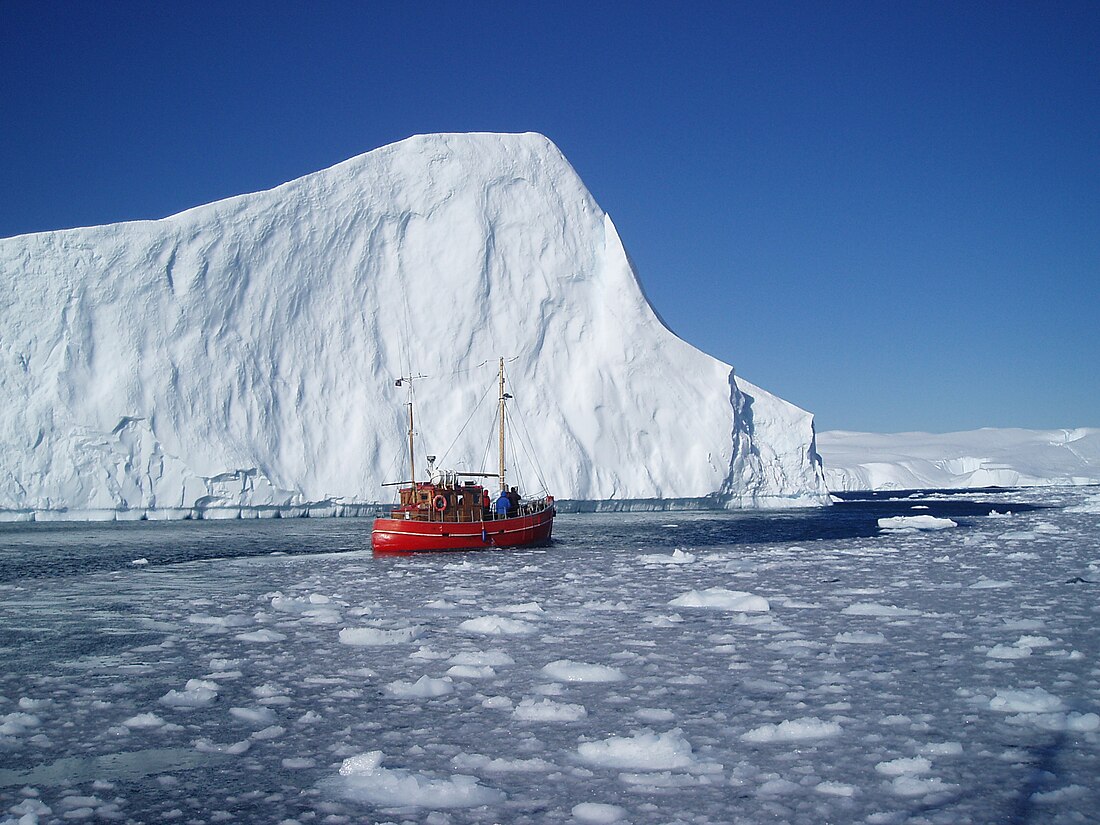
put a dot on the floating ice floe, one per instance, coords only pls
(423, 688)
(792, 730)
(915, 523)
(143, 721)
(678, 557)
(1009, 652)
(875, 609)
(547, 710)
(482, 658)
(1026, 700)
(197, 693)
(908, 785)
(363, 779)
(262, 636)
(1090, 506)
(859, 637)
(644, 751)
(904, 765)
(564, 670)
(835, 789)
(526, 607)
(497, 626)
(18, 723)
(597, 813)
(719, 598)
(471, 672)
(480, 762)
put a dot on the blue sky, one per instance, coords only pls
(887, 213)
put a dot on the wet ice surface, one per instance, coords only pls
(647, 668)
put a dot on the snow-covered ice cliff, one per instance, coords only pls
(976, 458)
(242, 354)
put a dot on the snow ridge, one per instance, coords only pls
(239, 357)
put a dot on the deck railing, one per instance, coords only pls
(527, 508)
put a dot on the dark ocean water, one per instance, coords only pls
(53, 550)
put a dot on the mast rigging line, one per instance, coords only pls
(469, 418)
(527, 443)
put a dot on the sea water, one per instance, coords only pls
(921, 657)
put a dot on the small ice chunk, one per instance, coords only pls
(835, 789)
(1009, 652)
(792, 730)
(874, 609)
(14, 724)
(860, 637)
(565, 670)
(423, 688)
(233, 748)
(1026, 700)
(644, 751)
(197, 693)
(526, 607)
(143, 721)
(915, 523)
(989, 584)
(597, 813)
(363, 779)
(140, 561)
(719, 598)
(262, 636)
(471, 672)
(497, 626)
(910, 786)
(678, 557)
(480, 762)
(547, 710)
(482, 658)
(904, 766)
(942, 749)
(655, 714)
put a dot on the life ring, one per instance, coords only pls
(440, 503)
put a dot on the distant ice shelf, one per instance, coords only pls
(240, 357)
(975, 458)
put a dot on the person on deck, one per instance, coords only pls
(513, 502)
(486, 504)
(503, 503)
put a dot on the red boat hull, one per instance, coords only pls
(391, 535)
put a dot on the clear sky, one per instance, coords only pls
(887, 213)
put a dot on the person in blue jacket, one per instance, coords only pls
(503, 503)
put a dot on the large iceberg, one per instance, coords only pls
(988, 457)
(241, 356)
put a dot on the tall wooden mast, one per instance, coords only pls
(502, 397)
(412, 431)
(412, 455)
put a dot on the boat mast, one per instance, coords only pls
(412, 456)
(502, 397)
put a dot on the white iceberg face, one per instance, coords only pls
(243, 354)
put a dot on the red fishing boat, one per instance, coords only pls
(455, 510)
